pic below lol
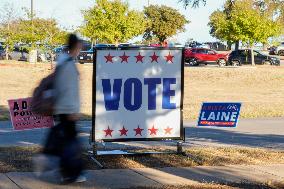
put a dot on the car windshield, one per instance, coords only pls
(258, 52)
(212, 52)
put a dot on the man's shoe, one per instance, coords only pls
(68, 180)
(39, 164)
(81, 178)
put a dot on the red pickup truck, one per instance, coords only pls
(196, 56)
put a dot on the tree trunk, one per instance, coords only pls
(229, 45)
(7, 39)
(7, 52)
(252, 56)
(237, 45)
(51, 59)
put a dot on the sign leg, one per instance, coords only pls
(179, 148)
(97, 162)
(95, 150)
(92, 155)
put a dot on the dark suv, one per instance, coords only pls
(243, 56)
(2, 52)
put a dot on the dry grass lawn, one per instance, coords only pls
(221, 186)
(261, 89)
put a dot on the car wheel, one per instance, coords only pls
(193, 62)
(281, 53)
(266, 62)
(222, 62)
(236, 63)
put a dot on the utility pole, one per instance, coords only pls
(32, 15)
(148, 3)
(33, 52)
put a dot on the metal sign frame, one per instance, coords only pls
(182, 137)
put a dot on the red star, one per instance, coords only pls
(123, 131)
(154, 58)
(169, 58)
(138, 131)
(153, 131)
(139, 58)
(109, 58)
(124, 58)
(108, 131)
(168, 130)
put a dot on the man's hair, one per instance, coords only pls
(72, 41)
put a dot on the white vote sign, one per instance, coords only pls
(138, 94)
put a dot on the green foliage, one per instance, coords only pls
(40, 31)
(245, 22)
(163, 22)
(8, 27)
(9, 33)
(43, 33)
(111, 21)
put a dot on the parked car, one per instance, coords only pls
(104, 45)
(121, 45)
(217, 46)
(2, 53)
(277, 50)
(155, 45)
(43, 56)
(87, 56)
(19, 53)
(243, 56)
(174, 44)
(58, 50)
(195, 44)
(196, 56)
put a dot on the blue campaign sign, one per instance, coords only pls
(219, 114)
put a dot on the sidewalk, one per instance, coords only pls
(260, 133)
(149, 177)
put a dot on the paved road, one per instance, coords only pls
(265, 133)
(282, 63)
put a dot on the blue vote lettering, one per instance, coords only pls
(167, 93)
(152, 85)
(133, 91)
(132, 83)
(111, 98)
